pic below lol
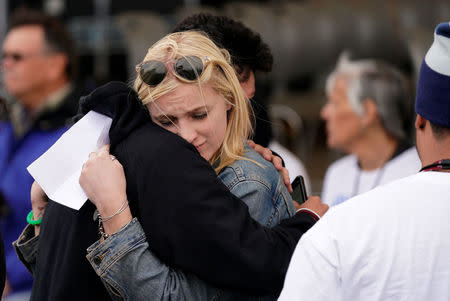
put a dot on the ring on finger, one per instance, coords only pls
(112, 157)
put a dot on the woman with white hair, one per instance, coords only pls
(366, 116)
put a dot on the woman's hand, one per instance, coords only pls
(276, 161)
(103, 180)
(39, 201)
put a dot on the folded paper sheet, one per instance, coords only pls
(58, 169)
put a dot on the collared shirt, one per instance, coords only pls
(16, 153)
(345, 179)
(22, 121)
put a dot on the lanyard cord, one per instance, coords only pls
(437, 166)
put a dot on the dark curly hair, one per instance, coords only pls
(245, 46)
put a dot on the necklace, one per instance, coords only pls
(401, 147)
(358, 176)
(437, 166)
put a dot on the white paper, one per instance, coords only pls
(59, 168)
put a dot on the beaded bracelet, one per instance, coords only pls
(31, 221)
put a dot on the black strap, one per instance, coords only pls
(437, 166)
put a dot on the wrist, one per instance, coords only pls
(312, 213)
(109, 224)
(37, 228)
(109, 206)
(115, 224)
(34, 219)
(38, 213)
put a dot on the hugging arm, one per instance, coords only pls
(194, 223)
(191, 220)
(27, 244)
(130, 271)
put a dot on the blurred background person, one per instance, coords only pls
(250, 55)
(305, 39)
(366, 116)
(38, 69)
(390, 243)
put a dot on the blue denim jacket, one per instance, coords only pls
(131, 271)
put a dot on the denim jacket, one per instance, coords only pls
(130, 271)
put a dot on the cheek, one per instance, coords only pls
(223, 120)
(11, 72)
(343, 126)
(171, 129)
(343, 118)
(28, 74)
(210, 131)
(215, 129)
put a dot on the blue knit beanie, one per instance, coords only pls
(433, 87)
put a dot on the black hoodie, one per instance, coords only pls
(194, 222)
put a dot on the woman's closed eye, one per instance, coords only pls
(200, 116)
(165, 122)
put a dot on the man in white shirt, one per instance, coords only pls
(391, 243)
(365, 115)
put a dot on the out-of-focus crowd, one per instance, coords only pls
(384, 236)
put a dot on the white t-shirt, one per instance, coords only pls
(344, 179)
(391, 243)
(293, 164)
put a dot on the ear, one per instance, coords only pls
(249, 85)
(420, 123)
(228, 105)
(370, 112)
(58, 65)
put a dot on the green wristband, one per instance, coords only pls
(31, 221)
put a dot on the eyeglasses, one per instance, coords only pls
(153, 72)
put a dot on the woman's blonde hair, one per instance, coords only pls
(218, 73)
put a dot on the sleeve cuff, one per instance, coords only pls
(26, 246)
(102, 254)
(313, 214)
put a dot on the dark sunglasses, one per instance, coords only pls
(17, 57)
(13, 56)
(153, 72)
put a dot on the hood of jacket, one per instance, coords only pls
(119, 102)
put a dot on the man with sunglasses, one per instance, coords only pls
(37, 67)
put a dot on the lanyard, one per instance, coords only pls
(437, 166)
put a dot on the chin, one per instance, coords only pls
(206, 157)
(336, 146)
(331, 143)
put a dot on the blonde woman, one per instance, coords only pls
(172, 230)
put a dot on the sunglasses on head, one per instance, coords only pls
(153, 72)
